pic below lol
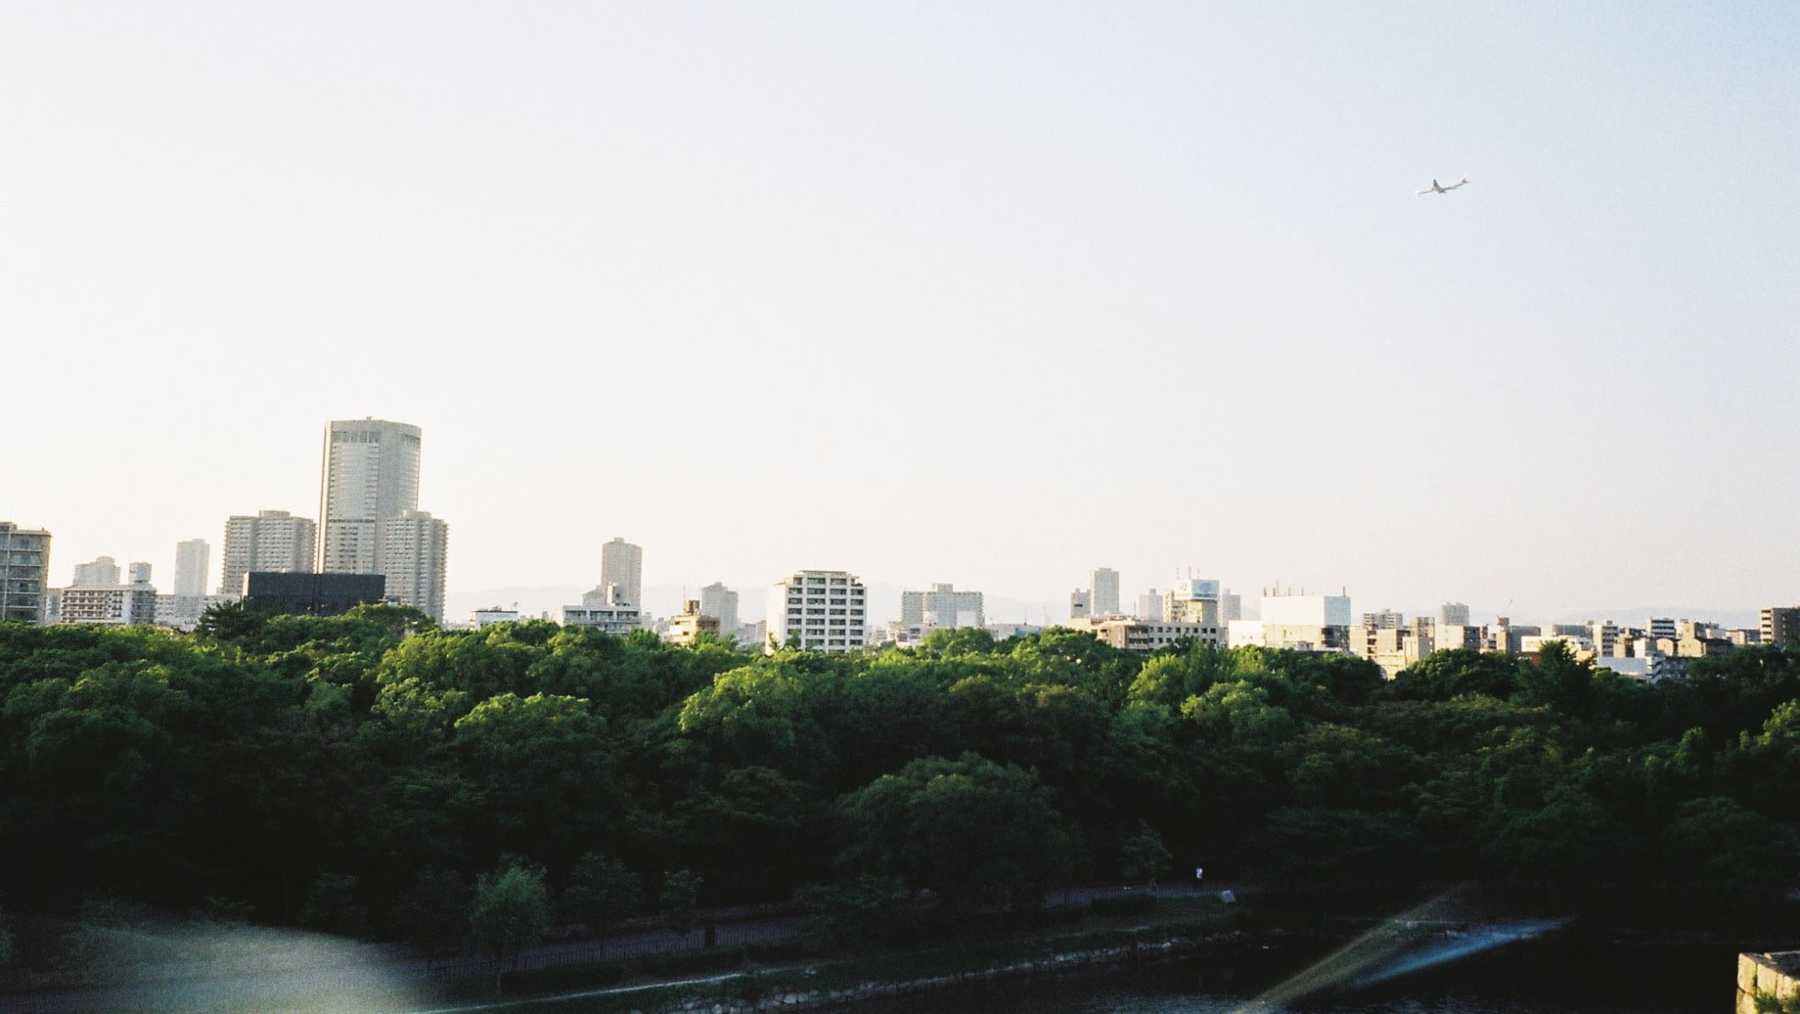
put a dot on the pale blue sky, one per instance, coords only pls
(1143, 285)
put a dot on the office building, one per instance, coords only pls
(102, 572)
(1103, 590)
(139, 573)
(720, 603)
(270, 542)
(1145, 637)
(1453, 614)
(941, 607)
(1780, 625)
(369, 473)
(1662, 627)
(414, 545)
(686, 628)
(308, 594)
(1193, 600)
(1149, 606)
(1305, 622)
(1078, 604)
(1231, 606)
(622, 564)
(24, 573)
(819, 610)
(192, 557)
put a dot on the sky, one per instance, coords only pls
(985, 293)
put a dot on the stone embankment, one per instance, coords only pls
(1773, 975)
(1136, 951)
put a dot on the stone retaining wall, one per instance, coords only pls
(1774, 974)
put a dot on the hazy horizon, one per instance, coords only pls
(986, 295)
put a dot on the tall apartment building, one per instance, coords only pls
(1605, 635)
(139, 572)
(192, 557)
(1780, 626)
(1663, 627)
(414, 545)
(104, 570)
(819, 610)
(1453, 614)
(24, 572)
(622, 564)
(941, 607)
(369, 473)
(270, 542)
(721, 603)
(1104, 589)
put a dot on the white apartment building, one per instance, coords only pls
(414, 545)
(269, 541)
(622, 564)
(369, 472)
(720, 603)
(1104, 589)
(192, 557)
(941, 607)
(115, 604)
(616, 618)
(819, 610)
(24, 573)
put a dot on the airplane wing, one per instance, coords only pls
(1453, 186)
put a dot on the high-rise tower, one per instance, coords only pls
(369, 473)
(622, 564)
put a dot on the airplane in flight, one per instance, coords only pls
(1436, 188)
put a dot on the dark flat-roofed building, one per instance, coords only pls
(311, 594)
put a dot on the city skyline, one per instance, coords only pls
(1582, 370)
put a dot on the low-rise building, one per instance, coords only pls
(1305, 622)
(111, 604)
(479, 618)
(308, 594)
(686, 628)
(606, 610)
(1136, 635)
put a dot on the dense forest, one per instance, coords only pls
(360, 773)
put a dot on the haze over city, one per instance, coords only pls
(989, 296)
